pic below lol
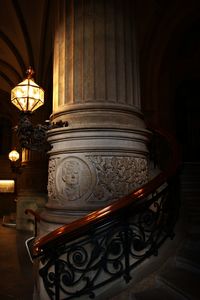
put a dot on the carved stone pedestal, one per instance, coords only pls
(94, 161)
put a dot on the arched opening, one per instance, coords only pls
(187, 91)
(171, 79)
(187, 108)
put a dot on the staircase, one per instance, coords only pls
(179, 277)
(116, 248)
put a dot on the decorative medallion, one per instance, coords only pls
(73, 179)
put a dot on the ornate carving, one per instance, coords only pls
(51, 187)
(118, 175)
(73, 179)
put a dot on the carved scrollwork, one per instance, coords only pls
(51, 187)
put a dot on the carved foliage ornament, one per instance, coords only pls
(118, 175)
(51, 187)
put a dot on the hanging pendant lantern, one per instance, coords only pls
(27, 96)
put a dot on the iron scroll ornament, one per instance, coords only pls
(109, 251)
(34, 137)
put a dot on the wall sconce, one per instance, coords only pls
(27, 96)
(14, 162)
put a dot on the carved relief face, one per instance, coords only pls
(70, 173)
(73, 180)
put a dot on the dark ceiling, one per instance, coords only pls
(25, 39)
(167, 32)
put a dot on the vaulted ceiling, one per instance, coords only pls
(169, 41)
(25, 39)
(163, 27)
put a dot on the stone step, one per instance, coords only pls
(190, 188)
(189, 193)
(190, 208)
(191, 202)
(193, 210)
(190, 178)
(192, 173)
(194, 227)
(159, 293)
(193, 217)
(189, 171)
(180, 278)
(189, 258)
(192, 242)
(195, 179)
(192, 205)
(190, 198)
(181, 281)
(190, 165)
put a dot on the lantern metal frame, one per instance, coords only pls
(32, 137)
(27, 96)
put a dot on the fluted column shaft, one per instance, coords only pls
(95, 54)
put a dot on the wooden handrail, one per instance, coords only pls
(36, 217)
(33, 213)
(73, 230)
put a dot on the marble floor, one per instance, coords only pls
(16, 273)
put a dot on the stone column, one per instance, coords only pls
(102, 155)
(30, 192)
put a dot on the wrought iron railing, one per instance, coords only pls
(82, 257)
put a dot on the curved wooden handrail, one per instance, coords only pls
(73, 230)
